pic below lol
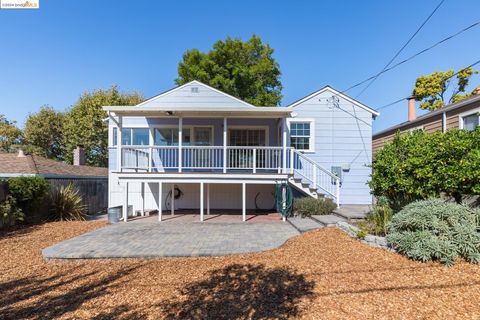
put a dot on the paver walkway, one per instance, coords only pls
(304, 224)
(149, 240)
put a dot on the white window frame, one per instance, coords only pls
(133, 126)
(466, 114)
(247, 127)
(312, 132)
(174, 126)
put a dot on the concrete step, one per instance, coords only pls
(328, 219)
(304, 224)
(352, 212)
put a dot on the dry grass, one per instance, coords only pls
(321, 275)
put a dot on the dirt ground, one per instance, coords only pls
(320, 275)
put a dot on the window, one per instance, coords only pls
(166, 136)
(132, 136)
(471, 122)
(202, 136)
(247, 137)
(301, 135)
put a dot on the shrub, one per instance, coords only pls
(65, 204)
(419, 166)
(436, 230)
(29, 193)
(306, 207)
(9, 212)
(377, 219)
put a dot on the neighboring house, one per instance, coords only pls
(214, 151)
(464, 114)
(92, 182)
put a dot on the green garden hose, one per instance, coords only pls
(284, 199)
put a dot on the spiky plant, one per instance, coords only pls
(66, 204)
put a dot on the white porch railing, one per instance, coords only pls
(316, 175)
(166, 158)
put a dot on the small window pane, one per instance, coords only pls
(140, 136)
(470, 122)
(126, 136)
(114, 137)
(166, 137)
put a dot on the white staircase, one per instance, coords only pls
(312, 179)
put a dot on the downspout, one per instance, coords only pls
(444, 121)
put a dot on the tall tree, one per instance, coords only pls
(43, 132)
(84, 124)
(10, 134)
(245, 70)
(431, 89)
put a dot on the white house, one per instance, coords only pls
(214, 151)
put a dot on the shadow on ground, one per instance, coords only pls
(242, 291)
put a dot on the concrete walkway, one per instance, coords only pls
(173, 239)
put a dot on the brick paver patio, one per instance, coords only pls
(149, 239)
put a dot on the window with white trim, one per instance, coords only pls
(132, 136)
(471, 122)
(301, 135)
(247, 137)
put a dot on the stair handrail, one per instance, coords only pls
(316, 167)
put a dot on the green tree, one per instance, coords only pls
(245, 70)
(43, 132)
(84, 124)
(10, 134)
(431, 89)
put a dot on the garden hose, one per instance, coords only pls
(284, 199)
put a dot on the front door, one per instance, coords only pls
(247, 137)
(202, 136)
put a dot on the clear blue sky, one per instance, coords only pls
(52, 55)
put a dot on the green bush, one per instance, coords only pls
(436, 230)
(65, 204)
(377, 219)
(420, 166)
(9, 212)
(29, 193)
(306, 207)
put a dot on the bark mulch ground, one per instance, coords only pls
(322, 274)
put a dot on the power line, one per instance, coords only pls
(401, 49)
(415, 55)
(453, 75)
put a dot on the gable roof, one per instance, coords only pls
(337, 93)
(197, 95)
(11, 164)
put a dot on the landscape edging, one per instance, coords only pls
(371, 240)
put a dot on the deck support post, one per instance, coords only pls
(160, 209)
(225, 134)
(142, 212)
(201, 201)
(284, 143)
(244, 202)
(125, 202)
(119, 144)
(208, 199)
(180, 141)
(172, 200)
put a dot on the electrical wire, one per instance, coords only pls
(401, 49)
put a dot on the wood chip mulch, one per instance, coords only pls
(322, 274)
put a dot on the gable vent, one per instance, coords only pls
(194, 89)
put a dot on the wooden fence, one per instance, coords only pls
(94, 192)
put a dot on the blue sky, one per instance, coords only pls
(52, 55)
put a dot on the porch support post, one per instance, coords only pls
(284, 142)
(160, 209)
(119, 144)
(225, 144)
(142, 213)
(125, 202)
(180, 141)
(208, 199)
(244, 202)
(172, 200)
(201, 201)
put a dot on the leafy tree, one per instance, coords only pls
(10, 134)
(419, 166)
(245, 70)
(43, 132)
(84, 124)
(431, 89)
